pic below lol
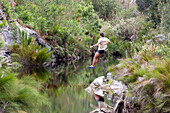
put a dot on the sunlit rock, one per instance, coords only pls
(100, 87)
(109, 76)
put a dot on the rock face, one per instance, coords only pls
(32, 33)
(100, 87)
(6, 36)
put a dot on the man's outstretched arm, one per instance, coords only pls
(94, 45)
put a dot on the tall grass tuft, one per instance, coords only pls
(148, 79)
(21, 95)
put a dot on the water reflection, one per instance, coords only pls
(66, 85)
(40, 73)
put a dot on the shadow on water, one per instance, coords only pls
(66, 84)
(40, 73)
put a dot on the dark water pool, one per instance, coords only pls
(66, 85)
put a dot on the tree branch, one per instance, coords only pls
(3, 109)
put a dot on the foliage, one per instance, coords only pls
(163, 50)
(33, 53)
(105, 8)
(127, 13)
(17, 95)
(88, 16)
(3, 24)
(165, 16)
(1, 42)
(126, 28)
(60, 28)
(151, 8)
(147, 76)
(145, 29)
(25, 15)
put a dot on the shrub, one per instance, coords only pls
(105, 8)
(30, 52)
(126, 28)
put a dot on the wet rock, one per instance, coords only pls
(96, 87)
(109, 76)
(100, 87)
(4, 53)
(118, 87)
(7, 37)
(105, 108)
(47, 64)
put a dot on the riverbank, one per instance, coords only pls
(146, 76)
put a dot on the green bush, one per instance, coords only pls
(3, 24)
(30, 52)
(128, 27)
(105, 8)
(127, 13)
(1, 43)
(152, 9)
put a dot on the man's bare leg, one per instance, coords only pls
(95, 59)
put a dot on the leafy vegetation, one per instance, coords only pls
(147, 76)
(66, 32)
(20, 94)
(33, 53)
(139, 33)
(105, 8)
(155, 9)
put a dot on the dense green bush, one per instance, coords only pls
(126, 28)
(89, 17)
(30, 52)
(152, 10)
(105, 8)
(165, 16)
(128, 13)
(3, 24)
(66, 32)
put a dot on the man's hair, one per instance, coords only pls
(101, 34)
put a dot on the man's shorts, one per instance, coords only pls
(100, 51)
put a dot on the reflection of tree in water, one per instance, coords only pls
(59, 76)
(38, 72)
(64, 74)
(52, 78)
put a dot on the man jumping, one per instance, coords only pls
(102, 43)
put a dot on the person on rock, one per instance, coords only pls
(102, 45)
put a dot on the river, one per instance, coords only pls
(66, 85)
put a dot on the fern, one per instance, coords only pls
(29, 51)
